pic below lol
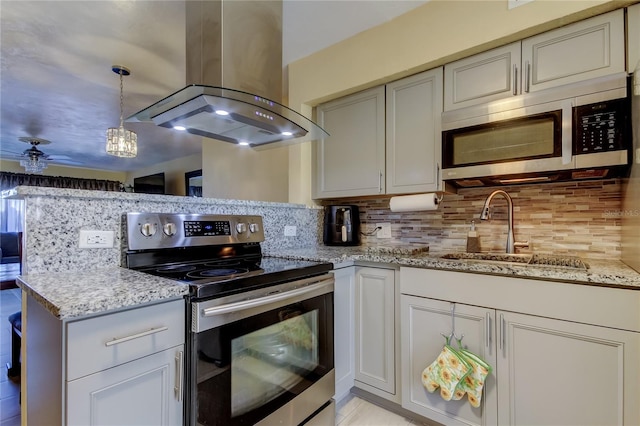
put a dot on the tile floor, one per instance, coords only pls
(351, 411)
(355, 411)
(9, 390)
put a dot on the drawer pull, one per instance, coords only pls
(135, 336)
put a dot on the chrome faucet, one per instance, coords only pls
(511, 244)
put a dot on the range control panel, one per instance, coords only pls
(601, 127)
(168, 230)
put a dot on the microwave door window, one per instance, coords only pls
(515, 140)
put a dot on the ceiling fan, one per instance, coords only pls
(33, 159)
(36, 160)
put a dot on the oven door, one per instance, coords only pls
(269, 358)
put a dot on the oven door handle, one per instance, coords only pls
(248, 304)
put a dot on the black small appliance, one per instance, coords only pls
(341, 225)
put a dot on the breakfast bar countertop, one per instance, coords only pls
(608, 273)
(74, 294)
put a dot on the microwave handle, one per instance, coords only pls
(567, 132)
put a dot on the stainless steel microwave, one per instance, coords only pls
(526, 140)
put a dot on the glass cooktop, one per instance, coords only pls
(215, 278)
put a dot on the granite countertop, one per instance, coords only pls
(77, 293)
(609, 273)
(73, 294)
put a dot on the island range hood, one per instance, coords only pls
(234, 77)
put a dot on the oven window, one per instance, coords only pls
(268, 363)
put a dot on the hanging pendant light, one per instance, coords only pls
(121, 142)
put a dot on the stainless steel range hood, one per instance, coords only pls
(234, 72)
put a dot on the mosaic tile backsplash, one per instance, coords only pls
(574, 218)
(580, 218)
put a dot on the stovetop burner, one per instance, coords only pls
(173, 269)
(217, 273)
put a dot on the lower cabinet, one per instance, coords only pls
(375, 318)
(144, 391)
(127, 367)
(121, 368)
(424, 321)
(545, 370)
(581, 374)
(344, 330)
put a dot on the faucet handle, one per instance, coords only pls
(485, 214)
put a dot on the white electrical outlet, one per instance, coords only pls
(290, 231)
(384, 231)
(96, 239)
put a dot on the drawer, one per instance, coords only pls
(98, 343)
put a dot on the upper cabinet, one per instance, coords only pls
(352, 162)
(414, 105)
(584, 50)
(633, 39)
(481, 78)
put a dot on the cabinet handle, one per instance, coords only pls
(488, 331)
(527, 70)
(438, 175)
(178, 386)
(380, 182)
(115, 341)
(567, 132)
(515, 79)
(502, 334)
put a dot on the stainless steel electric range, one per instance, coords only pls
(259, 330)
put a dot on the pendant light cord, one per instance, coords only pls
(121, 100)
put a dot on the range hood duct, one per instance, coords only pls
(234, 77)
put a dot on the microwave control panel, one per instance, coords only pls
(601, 127)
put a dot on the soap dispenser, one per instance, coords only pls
(473, 241)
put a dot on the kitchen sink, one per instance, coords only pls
(520, 259)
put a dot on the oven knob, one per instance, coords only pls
(169, 229)
(148, 229)
(254, 227)
(241, 228)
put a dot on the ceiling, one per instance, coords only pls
(57, 84)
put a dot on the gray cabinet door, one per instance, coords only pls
(350, 162)
(483, 77)
(414, 107)
(588, 49)
(145, 391)
(344, 330)
(633, 38)
(375, 328)
(423, 323)
(561, 372)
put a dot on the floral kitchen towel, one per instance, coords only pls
(445, 373)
